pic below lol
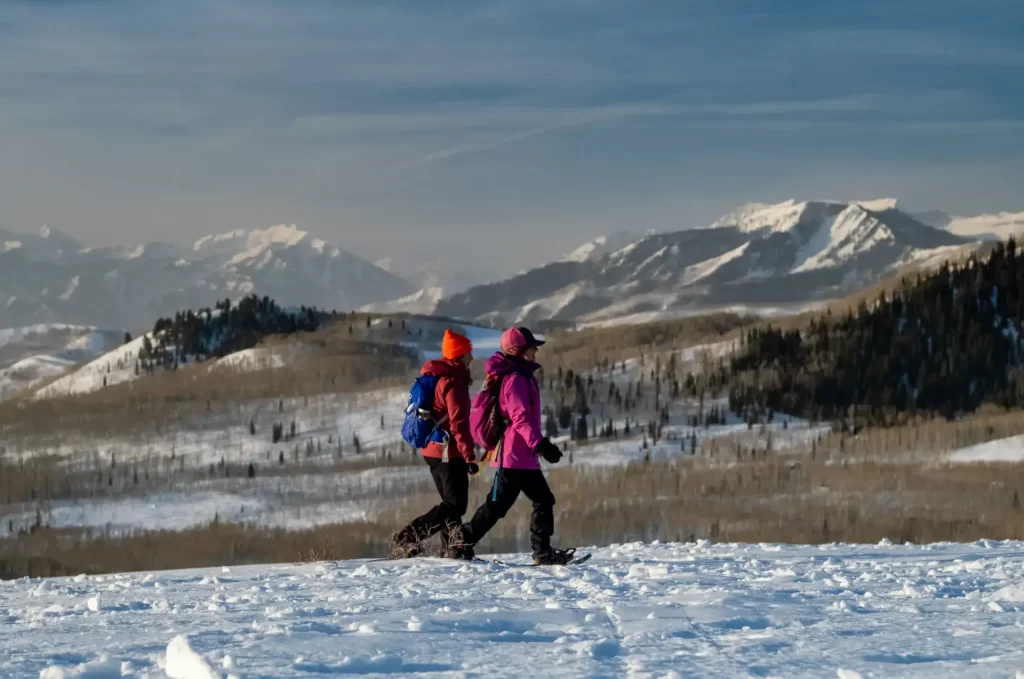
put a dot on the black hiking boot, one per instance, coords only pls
(405, 546)
(455, 545)
(554, 557)
(461, 552)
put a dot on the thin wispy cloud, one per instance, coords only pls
(455, 151)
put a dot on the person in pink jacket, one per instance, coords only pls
(517, 457)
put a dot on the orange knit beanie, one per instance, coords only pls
(455, 345)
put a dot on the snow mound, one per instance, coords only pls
(1014, 594)
(101, 668)
(184, 663)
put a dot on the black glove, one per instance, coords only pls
(473, 468)
(549, 451)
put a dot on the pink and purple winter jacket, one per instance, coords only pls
(520, 403)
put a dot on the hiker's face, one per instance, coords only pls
(530, 354)
(467, 359)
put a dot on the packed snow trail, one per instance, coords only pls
(676, 610)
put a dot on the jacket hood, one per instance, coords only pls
(501, 364)
(445, 368)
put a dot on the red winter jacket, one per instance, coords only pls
(451, 398)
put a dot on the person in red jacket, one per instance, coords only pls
(450, 463)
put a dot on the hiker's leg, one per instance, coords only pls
(433, 520)
(500, 499)
(542, 522)
(454, 489)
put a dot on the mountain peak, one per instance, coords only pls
(785, 216)
(603, 245)
(877, 204)
(771, 217)
(281, 234)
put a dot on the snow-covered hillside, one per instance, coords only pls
(34, 354)
(758, 255)
(422, 301)
(635, 610)
(601, 246)
(99, 369)
(108, 369)
(50, 276)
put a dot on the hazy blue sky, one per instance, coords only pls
(496, 128)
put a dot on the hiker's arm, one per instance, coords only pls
(458, 404)
(517, 399)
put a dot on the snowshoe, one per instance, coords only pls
(405, 547)
(554, 557)
(460, 552)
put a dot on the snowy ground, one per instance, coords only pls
(693, 610)
(1009, 449)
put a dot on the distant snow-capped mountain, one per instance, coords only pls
(998, 226)
(602, 245)
(449, 277)
(758, 254)
(50, 276)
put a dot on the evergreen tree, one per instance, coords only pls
(943, 344)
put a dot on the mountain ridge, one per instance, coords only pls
(49, 276)
(760, 253)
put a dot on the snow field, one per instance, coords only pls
(1010, 449)
(658, 610)
(101, 372)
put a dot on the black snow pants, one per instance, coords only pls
(508, 483)
(452, 481)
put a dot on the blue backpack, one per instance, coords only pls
(419, 427)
